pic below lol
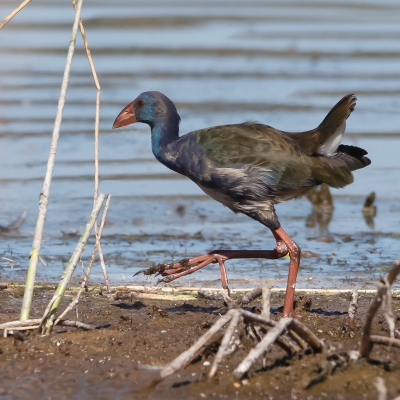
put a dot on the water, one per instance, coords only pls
(282, 63)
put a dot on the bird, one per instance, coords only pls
(249, 168)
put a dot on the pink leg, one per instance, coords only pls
(294, 253)
(188, 266)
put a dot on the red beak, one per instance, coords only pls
(125, 117)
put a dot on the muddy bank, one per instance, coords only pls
(108, 362)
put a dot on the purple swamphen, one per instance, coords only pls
(249, 168)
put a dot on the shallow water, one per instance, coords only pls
(281, 63)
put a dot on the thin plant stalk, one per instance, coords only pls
(14, 13)
(44, 195)
(84, 280)
(96, 139)
(365, 344)
(48, 317)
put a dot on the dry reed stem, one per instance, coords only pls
(27, 325)
(49, 315)
(381, 388)
(252, 295)
(353, 305)
(85, 278)
(266, 302)
(206, 294)
(267, 341)
(296, 326)
(96, 139)
(386, 341)
(44, 195)
(365, 344)
(183, 359)
(14, 13)
(226, 347)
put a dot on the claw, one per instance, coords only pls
(154, 269)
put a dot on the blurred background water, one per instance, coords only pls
(282, 63)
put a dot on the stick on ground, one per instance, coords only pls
(261, 347)
(353, 305)
(226, 347)
(366, 345)
(182, 360)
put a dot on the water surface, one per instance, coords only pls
(281, 63)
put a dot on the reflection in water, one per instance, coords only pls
(369, 210)
(322, 210)
(13, 225)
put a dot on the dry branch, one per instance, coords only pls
(268, 340)
(353, 305)
(249, 297)
(206, 294)
(380, 388)
(266, 302)
(182, 360)
(386, 341)
(44, 195)
(31, 324)
(229, 343)
(366, 345)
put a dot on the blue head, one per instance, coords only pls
(151, 108)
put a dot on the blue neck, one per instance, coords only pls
(164, 133)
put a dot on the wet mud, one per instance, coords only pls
(132, 333)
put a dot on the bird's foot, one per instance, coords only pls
(188, 266)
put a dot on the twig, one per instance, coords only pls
(296, 326)
(366, 345)
(14, 13)
(326, 369)
(307, 335)
(381, 388)
(32, 324)
(76, 324)
(66, 276)
(266, 301)
(353, 305)
(182, 360)
(206, 294)
(228, 344)
(16, 324)
(249, 297)
(44, 195)
(85, 278)
(386, 341)
(388, 309)
(261, 347)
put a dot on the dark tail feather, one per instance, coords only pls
(325, 139)
(353, 156)
(335, 118)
